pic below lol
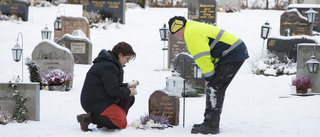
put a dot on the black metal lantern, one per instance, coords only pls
(313, 64)
(46, 33)
(265, 30)
(311, 15)
(164, 33)
(58, 24)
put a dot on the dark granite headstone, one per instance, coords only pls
(202, 11)
(160, 103)
(17, 7)
(111, 9)
(302, 8)
(293, 21)
(175, 46)
(185, 66)
(79, 45)
(282, 46)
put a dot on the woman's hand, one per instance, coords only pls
(133, 91)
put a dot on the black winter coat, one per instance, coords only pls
(103, 84)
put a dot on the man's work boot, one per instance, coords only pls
(203, 129)
(84, 120)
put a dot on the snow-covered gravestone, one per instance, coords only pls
(303, 8)
(287, 46)
(49, 55)
(161, 103)
(69, 24)
(189, 70)
(79, 45)
(293, 22)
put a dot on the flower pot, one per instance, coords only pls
(301, 91)
(57, 88)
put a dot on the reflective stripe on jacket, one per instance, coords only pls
(209, 44)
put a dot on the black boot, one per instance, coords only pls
(211, 120)
(84, 120)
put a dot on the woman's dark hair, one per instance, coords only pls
(125, 49)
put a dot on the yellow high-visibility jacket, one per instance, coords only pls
(209, 45)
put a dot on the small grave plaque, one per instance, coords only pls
(293, 21)
(111, 9)
(49, 55)
(202, 11)
(160, 103)
(80, 47)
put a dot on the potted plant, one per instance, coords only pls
(302, 83)
(56, 79)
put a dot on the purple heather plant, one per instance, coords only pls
(302, 82)
(56, 77)
(161, 119)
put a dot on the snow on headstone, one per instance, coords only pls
(293, 22)
(79, 45)
(49, 55)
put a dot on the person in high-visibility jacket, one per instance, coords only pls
(219, 54)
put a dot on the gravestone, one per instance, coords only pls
(29, 90)
(111, 9)
(189, 70)
(79, 45)
(304, 54)
(202, 11)
(49, 55)
(70, 24)
(282, 46)
(303, 8)
(16, 7)
(293, 21)
(175, 46)
(160, 103)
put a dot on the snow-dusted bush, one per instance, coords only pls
(270, 65)
(5, 117)
(93, 17)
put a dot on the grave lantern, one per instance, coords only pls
(17, 52)
(174, 84)
(265, 30)
(46, 33)
(312, 64)
(311, 15)
(58, 22)
(164, 33)
(197, 72)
